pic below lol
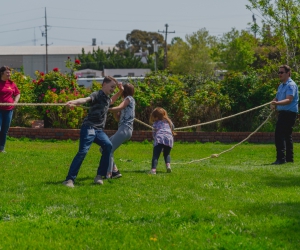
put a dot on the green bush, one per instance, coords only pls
(56, 87)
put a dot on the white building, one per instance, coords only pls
(33, 58)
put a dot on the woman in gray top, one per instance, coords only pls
(124, 113)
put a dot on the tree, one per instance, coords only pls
(194, 55)
(236, 50)
(139, 40)
(282, 17)
(100, 59)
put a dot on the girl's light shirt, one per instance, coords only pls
(127, 114)
(162, 133)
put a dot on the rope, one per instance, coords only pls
(205, 123)
(212, 156)
(217, 155)
(192, 126)
(40, 104)
(143, 123)
(32, 104)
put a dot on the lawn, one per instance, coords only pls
(235, 201)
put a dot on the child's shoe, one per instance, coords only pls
(168, 167)
(116, 174)
(152, 171)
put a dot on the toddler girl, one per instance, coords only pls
(163, 137)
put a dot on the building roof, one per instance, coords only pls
(52, 50)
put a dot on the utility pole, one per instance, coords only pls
(46, 36)
(166, 44)
(255, 27)
(155, 46)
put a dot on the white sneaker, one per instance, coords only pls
(69, 183)
(169, 170)
(98, 180)
(152, 171)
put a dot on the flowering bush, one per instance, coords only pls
(56, 87)
(63, 116)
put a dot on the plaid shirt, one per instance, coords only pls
(162, 133)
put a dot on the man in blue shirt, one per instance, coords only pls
(286, 102)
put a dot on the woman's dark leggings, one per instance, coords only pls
(156, 153)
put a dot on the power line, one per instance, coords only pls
(6, 31)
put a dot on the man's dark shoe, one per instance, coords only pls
(278, 162)
(291, 161)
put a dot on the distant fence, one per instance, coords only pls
(139, 136)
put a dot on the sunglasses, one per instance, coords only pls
(281, 72)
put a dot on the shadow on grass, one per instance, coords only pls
(78, 180)
(135, 171)
(277, 181)
(281, 221)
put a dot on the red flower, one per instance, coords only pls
(34, 81)
(55, 69)
(42, 73)
(53, 90)
(77, 61)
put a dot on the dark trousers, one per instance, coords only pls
(156, 153)
(283, 135)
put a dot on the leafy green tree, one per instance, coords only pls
(194, 55)
(236, 50)
(100, 59)
(139, 40)
(283, 18)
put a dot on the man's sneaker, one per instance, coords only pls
(68, 183)
(169, 170)
(98, 180)
(3, 152)
(152, 171)
(116, 175)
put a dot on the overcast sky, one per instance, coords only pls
(77, 22)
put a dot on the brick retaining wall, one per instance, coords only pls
(73, 134)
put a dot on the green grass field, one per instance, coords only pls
(235, 201)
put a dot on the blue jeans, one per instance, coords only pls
(89, 135)
(5, 120)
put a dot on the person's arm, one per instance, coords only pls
(122, 105)
(17, 98)
(117, 95)
(78, 101)
(285, 101)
